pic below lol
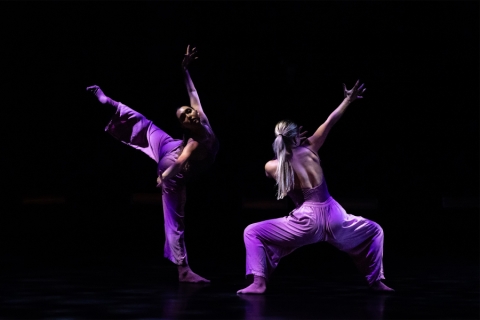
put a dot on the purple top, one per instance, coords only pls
(133, 129)
(315, 194)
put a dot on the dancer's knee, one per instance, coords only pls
(250, 231)
(378, 229)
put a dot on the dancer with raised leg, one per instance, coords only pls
(177, 159)
(317, 216)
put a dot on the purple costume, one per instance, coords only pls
(314, 220)
(133, 129)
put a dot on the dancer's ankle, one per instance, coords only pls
(183, 268)
(102, 98)
(259, 281)
(380, 286)
(185, 274)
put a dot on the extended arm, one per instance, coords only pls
(192, 91)
(318, 138)
(179, 163)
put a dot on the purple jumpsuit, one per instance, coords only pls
(266, 242)
(133, 129)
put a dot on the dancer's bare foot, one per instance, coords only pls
(98, 93)
(258, 286)
(379, 286)
(185, 274)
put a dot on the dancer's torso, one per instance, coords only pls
(310, 184)
(202, 157)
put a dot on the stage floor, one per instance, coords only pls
(141, 290)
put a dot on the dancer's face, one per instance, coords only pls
(188, 117)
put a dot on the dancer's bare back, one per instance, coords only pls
(306, 166)
(304, 158)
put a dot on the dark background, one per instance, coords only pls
(71, 191)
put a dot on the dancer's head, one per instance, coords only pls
(286, 136)
(188, 117)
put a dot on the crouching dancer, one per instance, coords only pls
(317, 217)
(177, 159)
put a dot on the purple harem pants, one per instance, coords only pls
(266, 242)
(133, 129)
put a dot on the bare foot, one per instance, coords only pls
(258, 286)
(185, 274)
(379, 286)
(98, 93)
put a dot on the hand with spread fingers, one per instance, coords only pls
(189, 57)
(354, 93)
(301, 135)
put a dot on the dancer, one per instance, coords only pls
(317, 217)
(177, 159)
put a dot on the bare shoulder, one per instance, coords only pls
(202, 115)
(270, 168)
(307, 143)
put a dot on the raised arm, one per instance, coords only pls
(318, 138)
(192, 92)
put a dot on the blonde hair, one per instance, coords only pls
(285, 132)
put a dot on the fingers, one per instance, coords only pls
(357, 89)
(361, 92)
(92, 88)
(191, 52)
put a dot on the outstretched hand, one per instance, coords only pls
(301, 136)
(189, 57)
(355, 92)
